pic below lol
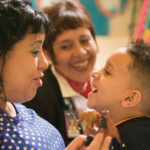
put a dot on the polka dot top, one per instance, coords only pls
(28, 131)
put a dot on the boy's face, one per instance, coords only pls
(111, 84)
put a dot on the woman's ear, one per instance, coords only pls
(132, 99)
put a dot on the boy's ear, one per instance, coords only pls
(132, 99)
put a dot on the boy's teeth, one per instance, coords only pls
(94, 89)
(80, 65)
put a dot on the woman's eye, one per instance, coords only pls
(35, 52)
(85, 41)
(66, 47)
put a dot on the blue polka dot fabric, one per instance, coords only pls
(28, 131)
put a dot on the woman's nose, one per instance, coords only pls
(79, 50)
(43, 63)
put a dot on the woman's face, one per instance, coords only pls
(23, 68)
(75, 53)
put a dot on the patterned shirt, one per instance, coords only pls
(28, 131)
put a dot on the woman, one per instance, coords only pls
(22, 32)
(71, 47)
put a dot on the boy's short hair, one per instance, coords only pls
(140, 53)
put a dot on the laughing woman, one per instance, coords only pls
(72, 48)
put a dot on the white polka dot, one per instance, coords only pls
(18, 124)
(1, 119)
(20, 132)
(13, 135)
(7, 134)
(7, 129)
(10, 147)
(14, 130)
(33, 138)
(3, 146)
(27, 137)
(26, 133)
(5, 140)
(27, 142)
(11, 119)
(12, 141)
(19, 142)
(17, 148)
(8, 124)
(33, 143)
(21, 135)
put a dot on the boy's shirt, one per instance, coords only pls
(134, 134)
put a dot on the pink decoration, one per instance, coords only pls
(142, 19)
(38, 2)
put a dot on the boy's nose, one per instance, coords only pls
(96, 75)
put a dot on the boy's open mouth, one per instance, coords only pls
(94, 90)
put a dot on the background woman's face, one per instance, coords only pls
(75, 53)
(23, 68)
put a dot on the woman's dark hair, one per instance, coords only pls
(16, 18)
(65, 15)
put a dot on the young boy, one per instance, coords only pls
(123, 88)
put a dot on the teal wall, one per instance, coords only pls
(100, 21)
(33, 3)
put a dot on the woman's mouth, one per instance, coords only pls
(39, 82)
(81, 65)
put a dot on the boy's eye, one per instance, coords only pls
(107, 72)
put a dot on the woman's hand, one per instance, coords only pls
(98, 143)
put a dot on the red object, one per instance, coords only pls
(81, 87)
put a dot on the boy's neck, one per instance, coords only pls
(123, 116)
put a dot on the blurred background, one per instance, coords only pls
(116, 22)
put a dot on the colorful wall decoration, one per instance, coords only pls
(143, 28)
(40, 3)
(101, 11)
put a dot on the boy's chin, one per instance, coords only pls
(90, 104)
